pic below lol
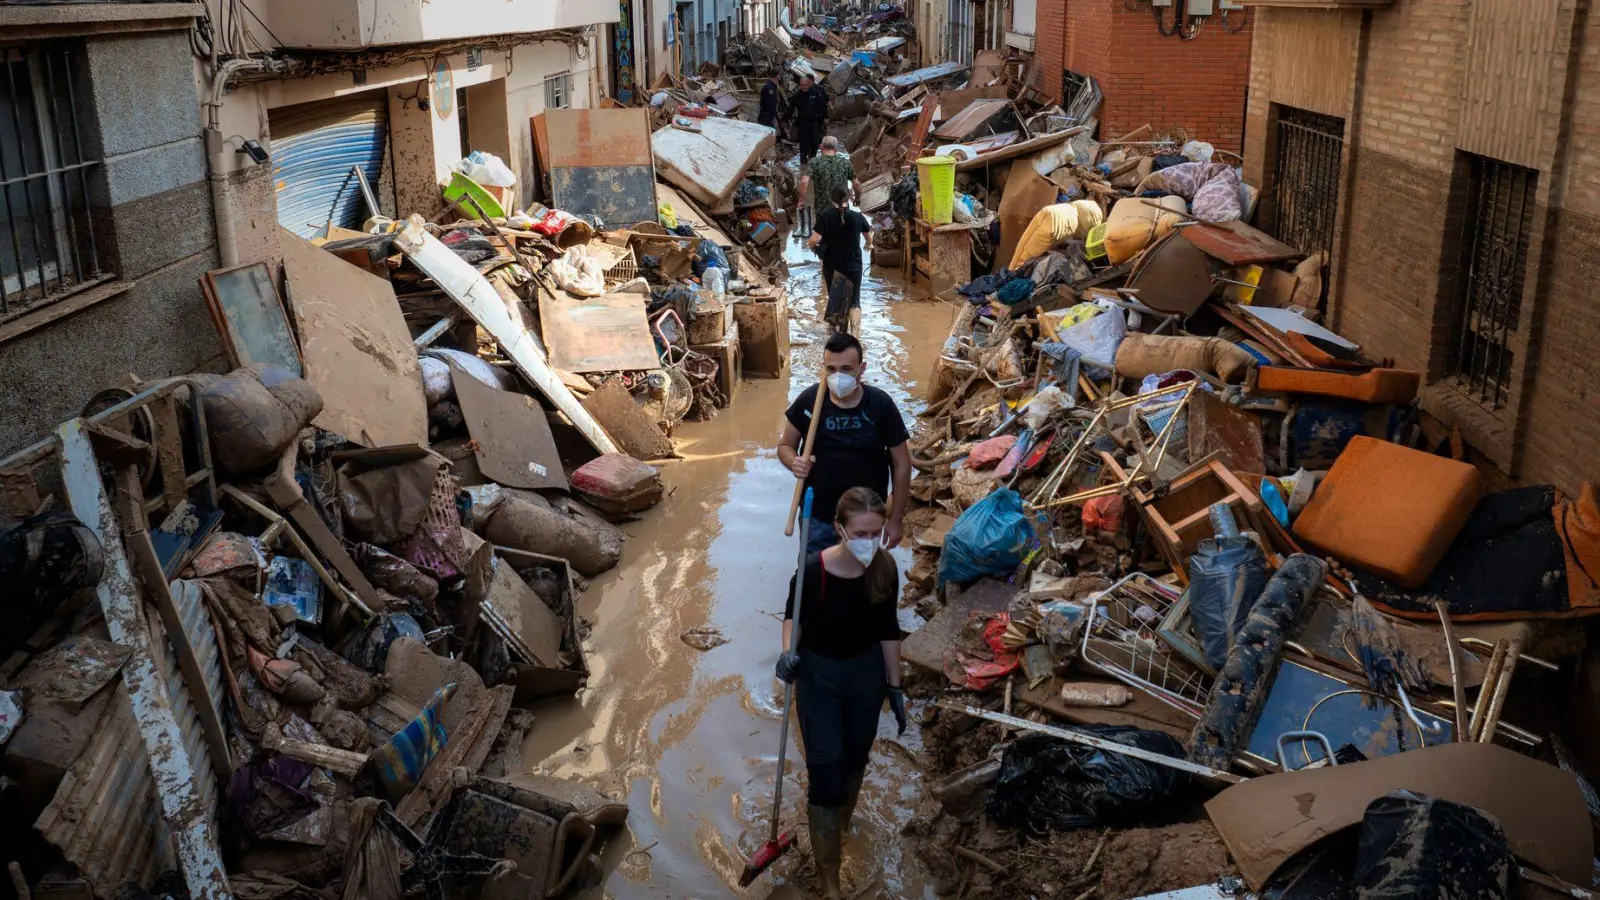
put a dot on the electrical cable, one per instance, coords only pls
(1244, 19)
(1177, 21)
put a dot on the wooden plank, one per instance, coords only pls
(358, 350)
(609, 333)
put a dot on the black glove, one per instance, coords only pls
(897, 705)
(788, 666)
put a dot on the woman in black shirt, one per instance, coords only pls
(848, 662)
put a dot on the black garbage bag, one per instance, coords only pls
(1049, 784)
(1226, 575)
(44, 560)
(1417, 846)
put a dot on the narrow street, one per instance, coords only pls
(689, 736)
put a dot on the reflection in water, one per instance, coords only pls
(687, 735)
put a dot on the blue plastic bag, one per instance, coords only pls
(990, 538)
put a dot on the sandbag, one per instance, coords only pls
(1135, 224)
(523, 523)
(1242, 683)
(253, 413)
(1142, 355)
(1053, 225)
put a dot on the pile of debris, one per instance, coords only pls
(275, 631)
(1196, 571)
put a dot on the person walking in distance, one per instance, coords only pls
(810, 107)
(860, 442)
(768, 114)
(847, 663)
(822, 174)
(838, 239)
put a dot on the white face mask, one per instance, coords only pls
(863, 549)
(842, 384)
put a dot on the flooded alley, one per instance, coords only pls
(689, 736)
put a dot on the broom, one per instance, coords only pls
(778, 844)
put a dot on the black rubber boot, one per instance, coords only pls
(825, 848)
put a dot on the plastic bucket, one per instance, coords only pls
(462, 186)
(936, 187)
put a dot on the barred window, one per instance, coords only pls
(47, 239)
(1496, 216)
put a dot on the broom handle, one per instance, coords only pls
(794, 646)
(811, 436)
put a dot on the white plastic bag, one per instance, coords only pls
(1197, 151)
(487, 169)
(579, 273)
(1099, 337)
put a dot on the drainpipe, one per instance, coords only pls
(216, 161)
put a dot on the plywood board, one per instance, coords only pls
(250, 318)
(510, 435)
(631, 427)
(965, 122)
(1025, 194)
(608, 333)
(708, 164)
(600, 163)
(689, 211)
(473, 293)
(525, 614)
(357, 350)
(598, 137)
(1238, 244)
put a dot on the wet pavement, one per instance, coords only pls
(690, 736)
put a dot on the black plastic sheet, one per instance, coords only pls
(1415, 846)
(1049, 784)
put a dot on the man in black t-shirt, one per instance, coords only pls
(861, 442)
(838, 239)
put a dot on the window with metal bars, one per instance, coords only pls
(1495, 212)
(1306, 175)
(47, 234)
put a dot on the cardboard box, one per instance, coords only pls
(535, 682)
(764, 335)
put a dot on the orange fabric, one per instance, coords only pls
(1390, 510)
(1372, 386)
(1578, 523)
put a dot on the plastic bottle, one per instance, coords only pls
(716, 281)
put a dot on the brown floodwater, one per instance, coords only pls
(689, 736)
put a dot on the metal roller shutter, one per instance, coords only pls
(314, 147)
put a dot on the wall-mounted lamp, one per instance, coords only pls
(253, 149)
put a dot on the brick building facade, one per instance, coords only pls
(1148, 78)
(1459, 191)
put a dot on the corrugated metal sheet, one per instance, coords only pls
(203, 638)
(1511, 47)
(1310, 55)
(104, 816)
(314, 147)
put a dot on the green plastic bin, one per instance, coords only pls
(461, 186)
(936, 186)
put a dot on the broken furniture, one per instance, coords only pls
(1389, 509)
(939, 256)
(1180, 518)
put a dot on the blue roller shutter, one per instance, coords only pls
(314, 147)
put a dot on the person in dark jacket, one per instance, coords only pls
(847, 664)
(769, 103)
(810, 106)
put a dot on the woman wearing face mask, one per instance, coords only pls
(847, 664)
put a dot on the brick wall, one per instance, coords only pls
(1198, 86)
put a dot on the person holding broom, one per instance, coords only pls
(847, 662)
(858, 440)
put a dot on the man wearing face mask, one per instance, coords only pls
(861, 442)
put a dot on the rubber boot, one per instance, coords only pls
(825, 848)
(852, 793)
(854, 326)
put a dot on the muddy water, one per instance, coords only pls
(690, 737)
